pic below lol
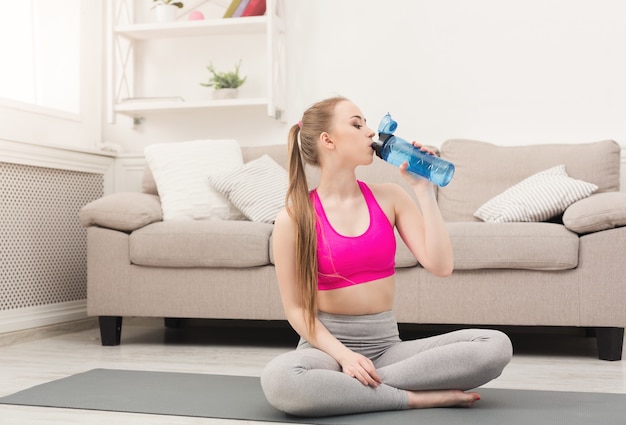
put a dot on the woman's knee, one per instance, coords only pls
(284, 386)
(275, 380)
(500, 352)
(503, 344)
(286, 381)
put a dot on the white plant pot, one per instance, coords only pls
(225, 93)
(166, 13)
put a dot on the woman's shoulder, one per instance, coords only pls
(283, 218)
(284, 232)
(389, 197)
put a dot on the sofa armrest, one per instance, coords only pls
(125, 211)
(598, 212)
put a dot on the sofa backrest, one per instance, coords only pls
(483, 170)
(249, 153)
(148, 184)
(277, 152)
(378, 172)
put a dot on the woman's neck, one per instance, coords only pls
(338, 185)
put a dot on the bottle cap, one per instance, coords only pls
(387, 125)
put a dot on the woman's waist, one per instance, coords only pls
(362, 330)
(363, 299)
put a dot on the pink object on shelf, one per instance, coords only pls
(196, 15)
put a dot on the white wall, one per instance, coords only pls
(509, 72)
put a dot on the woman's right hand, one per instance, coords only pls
(361, 368)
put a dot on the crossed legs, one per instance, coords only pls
(426, 372)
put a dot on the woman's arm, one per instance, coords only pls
(422, 227)
(353, 364)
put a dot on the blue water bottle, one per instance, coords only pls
(396, 150)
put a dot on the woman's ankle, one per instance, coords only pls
(441, 398)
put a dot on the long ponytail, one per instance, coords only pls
(300, 209)
(317, 119)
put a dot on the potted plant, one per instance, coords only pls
(226, 84)
(166, 9)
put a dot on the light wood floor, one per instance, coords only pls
(544, 359)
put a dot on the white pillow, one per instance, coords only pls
(537, 198)
(258, 188)
(180, 171)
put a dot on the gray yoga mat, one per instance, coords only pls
(241, 397)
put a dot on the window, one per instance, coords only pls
(40, 50)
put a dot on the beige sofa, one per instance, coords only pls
(516, 273)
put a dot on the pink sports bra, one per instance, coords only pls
(350, 260)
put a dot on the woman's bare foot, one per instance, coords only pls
(442, 398)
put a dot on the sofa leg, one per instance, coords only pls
(173, 322)
(110, 330)
(610, 342)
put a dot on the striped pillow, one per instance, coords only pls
(257, 189)
(537, 198)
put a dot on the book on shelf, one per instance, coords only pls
(255, 8)
(231, 8)
(242, 6)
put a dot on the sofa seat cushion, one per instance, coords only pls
(201, 243)
(531, 246)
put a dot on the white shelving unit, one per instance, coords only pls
(121, 59)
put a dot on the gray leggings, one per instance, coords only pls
(309, 382)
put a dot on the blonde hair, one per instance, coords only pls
(315, 120)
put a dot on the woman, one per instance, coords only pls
(334, 250)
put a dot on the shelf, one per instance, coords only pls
(126, 45)
(147, 31)
(137, 108)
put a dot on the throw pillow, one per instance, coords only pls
(125, 211)
(180, 171)
(601, 211)
(537, 198)
(258, 188)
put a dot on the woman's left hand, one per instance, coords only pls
(423, 148)
(414, 181)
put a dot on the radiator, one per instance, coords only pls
(43, 248)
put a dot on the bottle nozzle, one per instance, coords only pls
(378, 147)
(379, 144)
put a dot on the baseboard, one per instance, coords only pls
(35, 317)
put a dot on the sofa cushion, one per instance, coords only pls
(186, 243)
(598, 212)
(532, 246)
(257, 188)
(181, 170)
(249, 153)
(484, 170)
(541, 196)
(125, 211)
